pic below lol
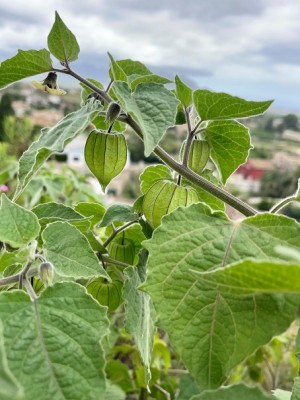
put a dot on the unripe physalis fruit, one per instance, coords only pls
(122, 249)
(163, 197)
(112, 112)
(46, 273)
(105, 155)
(198, 155)
(108, 294)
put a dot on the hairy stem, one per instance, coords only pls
(164, 156)
(282, 204)
(116, 231)
(15, 278)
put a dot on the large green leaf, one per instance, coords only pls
(212, 331)
(131, 67)
(95, 211)
(118, 212)
(61, 41)
(183, 92)
(139, 312)
(152, 174)
(70, 252)
(251, 276)
(18, 226)
(57, 211)
(24, 64)
(153, 106)
(116, 71)
(282, 394)
(296, 389)
(53, 140)
(236, 392)
(148, 78)
(230, 144)
(53, 347)
(10, 389)
(217, 106)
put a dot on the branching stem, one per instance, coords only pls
(116, 231)
(277, 207)
(198, 180)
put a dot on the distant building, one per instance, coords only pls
(288, 134)
(248, 176)
(46, 118)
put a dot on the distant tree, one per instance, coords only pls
(290, 121)
(5, 110)
(269, 124)
(279, 184)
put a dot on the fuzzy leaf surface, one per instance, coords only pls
(152, 106)
(236, 392)
(10, 389)
(118, 212)
(53, 140)
(61, 41)
(213, 332)
(63, 332)
(230, 145)
(218, 106)
(183, 92)
(70, 252)
(251, 276)
(24, 64)
(18, 226)
(139, 312)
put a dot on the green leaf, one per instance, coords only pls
(187, 387)
(212, 201)
(152, 174)
(183, 92)
(53, 347)
(86, 90)
(153, 106)
(53, 140)
(114, 392)
(148, 78)
(24, 64)
(57, 211)
(118, 212)
(251, 276)
(10, 389)
(70, 252)
(217, 106)
(117, 72)
(282, 394)
(61, 41)
(213, 332)
(139, 312)
(236, 392)
(296, 389)
(131, 67)
(9, 258)
(230, 145)
(18, 226)
(92, 210)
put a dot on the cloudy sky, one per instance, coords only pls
(246, 48)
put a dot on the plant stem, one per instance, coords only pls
(189, 139)
(282, 204)
(164, 156)
(15, 278)
(116, 231)
(163, 391)
(115, 262)
(30, 290)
